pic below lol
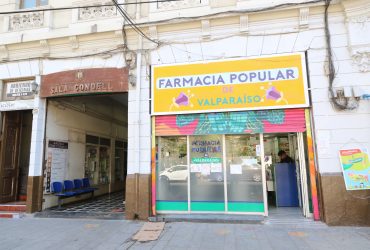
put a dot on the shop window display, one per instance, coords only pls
(244, 173)
(206, 173)
(172, 173)
(97, 163)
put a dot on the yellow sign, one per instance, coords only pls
(240, 84)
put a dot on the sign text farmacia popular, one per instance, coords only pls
(243, 84)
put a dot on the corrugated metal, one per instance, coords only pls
(265, 121)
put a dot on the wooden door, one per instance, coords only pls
(9, 157)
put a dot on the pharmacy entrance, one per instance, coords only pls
(236, 170)
(217, 129)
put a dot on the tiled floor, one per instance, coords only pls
(110, 206)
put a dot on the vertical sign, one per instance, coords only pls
(56, 163)
(356, 168)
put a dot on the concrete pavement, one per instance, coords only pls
(50, 233)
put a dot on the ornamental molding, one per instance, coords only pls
(26, 21)
(4, 53)
(304, 15)
(175, 5)
(361, 58)
(359, 19)
(96, 12)
(73, 41)
(206, 29)
(45, 49)
(244, 24)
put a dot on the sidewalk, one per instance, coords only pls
(50, 233)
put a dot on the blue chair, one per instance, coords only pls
(86, 184)
(79, 186)
(57, 187)
(60, 193)
(68, 186)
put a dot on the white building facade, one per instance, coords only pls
(336, 117)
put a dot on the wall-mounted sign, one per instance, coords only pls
(84, 81)
(56, 163)
(240, 84)
(19, 89)
(17, 105)
(356, 168)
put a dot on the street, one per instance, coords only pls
(50, 233)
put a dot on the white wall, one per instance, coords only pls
(333, 129)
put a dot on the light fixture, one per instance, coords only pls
(34, 87)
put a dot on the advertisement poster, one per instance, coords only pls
(56, 163)
(356, 168)
(267, 82)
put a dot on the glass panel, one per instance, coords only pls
(206, 173)
(103, 165)
(244, 174)
(91, 162)
(28, 4)
(91, 139)
(119, 164)
(172, 174)
(44, 2)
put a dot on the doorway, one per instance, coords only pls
(86, 139)
(15, 154)
(286, 174)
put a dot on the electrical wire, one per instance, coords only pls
(83, 7)
(132, 24)
(332, 73)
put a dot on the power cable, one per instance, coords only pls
(132, 24)
(83, 7)
(338, 105)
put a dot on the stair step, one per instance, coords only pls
(12, 208)
(10, 215)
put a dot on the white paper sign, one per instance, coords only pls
(206, 169)
(258, 150)
(195, 168)
(58, 155)
(249, 161)
(236, 169)
(216, 167)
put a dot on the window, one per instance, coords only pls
(25, 4)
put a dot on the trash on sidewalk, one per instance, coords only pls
(149, 232)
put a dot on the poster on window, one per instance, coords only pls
(356, 168)
(56, 163)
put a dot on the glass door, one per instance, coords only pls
(206, 173)
(245, 174)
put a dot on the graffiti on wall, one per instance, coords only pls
(264, 121)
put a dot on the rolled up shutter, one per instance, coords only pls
(247, 122)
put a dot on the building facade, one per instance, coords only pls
(195, 153)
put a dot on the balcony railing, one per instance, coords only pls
(26, 21)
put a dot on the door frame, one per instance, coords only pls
(303, 175)
(15, 156)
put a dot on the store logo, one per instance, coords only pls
(79, 75)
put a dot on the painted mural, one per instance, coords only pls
(264, 121)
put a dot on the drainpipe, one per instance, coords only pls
(137, 123)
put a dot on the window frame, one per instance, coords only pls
(38, 4)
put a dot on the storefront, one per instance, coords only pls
(217, 128)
